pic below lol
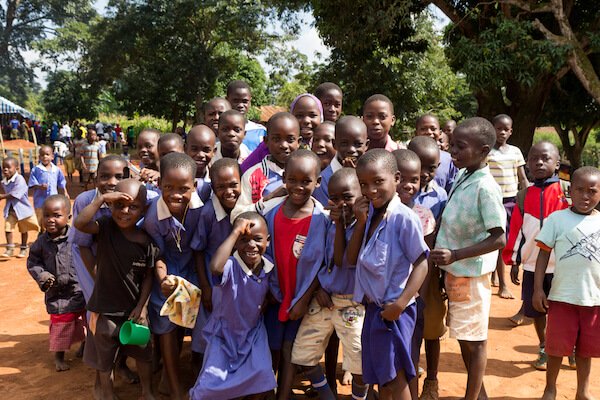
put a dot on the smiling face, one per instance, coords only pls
(585, 192)
(306, 111)
(428, 125)
(231, 132)
(251, 246)
(332, 105)
(282, 139)
(323, 144)
(200, 146)
(379, 118)
(55, 217)
(147, 148)
(351, 142)
(377, 183)
(542, 160)
(213, 111)
(226, 186)
(127, 214)
(343, 192)
(410, 177)
(109, 174)
(301, 178)
(177, 186)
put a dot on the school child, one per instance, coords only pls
(308, 110)
(231, 136)
(238, 347)
(69, 162)
(90, 156)
(430, 194)
(534, 204)
(18, 212)
(239, 96)
(351, 142)
(49, 264)
(45, 179)
(378, 115)
(213, 110)
(283, 138)
(468, 251)
(296, 221)
(428, 125)
(332, 309)
(331, 98)
(169, 143)
(124, 271)
(444, 141)
(76, 146)
(147, 149)
(200, 145)
(448, 128)
(171, 222)
(323, 142)
(507, 167)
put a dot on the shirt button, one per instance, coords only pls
(259, 280)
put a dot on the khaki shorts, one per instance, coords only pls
(69, 165)
(39, 214)
(25, 225)
(435, 307)
(346, 318)
(469, 302)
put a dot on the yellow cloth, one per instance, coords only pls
(183, 304)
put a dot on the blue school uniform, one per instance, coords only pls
(446, 172)
(255, 134)
(382, 270)
(18, 200)
(337, 279)
(432, 196)
(237, 361)
(177, 245)
(52, 176)
(203, 188)
(322, 192)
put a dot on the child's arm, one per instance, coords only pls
(36, 268)
(88, 260)
(62, 184)
(339, 243)
(83, 166)
(206, 295)
(85, 220)
(392, 311)
(301, 306)
(361, 210)
(241, 226)
(140, 311)
(539, 300)
(495, 241)
(523, 182)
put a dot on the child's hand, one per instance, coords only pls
(391, 311)
(168, 285)
(139, 315)
(349, 162)
(324, 299)
(361, 209)
(206, 298)
(539, 300)
(279, 192)
(299, 310)
(149, 175)
(49, 283)
(112, 197)
(44, 186)
(336, 214)
(242, 226)
(442, 256)
(514, 274)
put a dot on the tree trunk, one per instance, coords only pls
(11, 11)
(575, 150)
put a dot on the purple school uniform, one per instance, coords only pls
(237, 361)
(177, 245)
(383, 267)
(203, 188)
(322, 192)
(16, 188)
(52, 176)
(337, 279)
(255, 157)
(432, 196)
(446, 172)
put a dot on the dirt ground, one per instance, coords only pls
(27, 369)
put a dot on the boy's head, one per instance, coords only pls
(213, 110)
(110, 172)
(147, 146)
(585, 189)
(444, 141)
(429, 153)
(46, 155)
(239, 96)
(323, 143)
(56, 213)
(200, 145)
(351, 140)
(92, 135)
(126, 214)
(428, 125)
(232, 130)
(9, 167)
(473, 140)
(378, 115)
(378, 176)
(302, 176)
(543, 160)
(409, 166)
(225, 179)
(449, 127)
(170, 143)
(283, 137)
(177, 181)
(252, 244)
(308, 110)
(344, 189)
(331, 97)
(503, 126)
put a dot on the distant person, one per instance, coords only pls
(99, 128)
(14, 127)
(240, 98)
(331, 97)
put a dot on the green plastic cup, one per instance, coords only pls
(134, 334)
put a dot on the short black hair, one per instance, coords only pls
(221, 164)
(230, 113)
(215, 100)
(45, 146)
(282, 115)
(306, 154)
(326, 87)
(141, 188)
(59, 197)
(423, 143)
(112, 157)
(480, 128)
(253, 216)
(585, 171)
(502, 117)
(154, 131)
(381, 156)
(422, 117)
(177, 161)
(406, 156)
(349, 121)
(378, 97)
(11, 159)
(343, 175)
(171, 137)
(237, 84)
(549, 143)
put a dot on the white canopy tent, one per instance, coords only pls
(8, 107)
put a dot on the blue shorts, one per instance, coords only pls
(527, 293)
(386, 345)
(279, 332)
(159, 325)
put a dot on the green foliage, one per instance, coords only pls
(65, 97)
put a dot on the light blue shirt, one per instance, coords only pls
(52, 176)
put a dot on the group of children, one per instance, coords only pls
(327, 231)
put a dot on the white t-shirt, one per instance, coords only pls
(65, 131)
(100, 128)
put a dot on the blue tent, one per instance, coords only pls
(8, 107)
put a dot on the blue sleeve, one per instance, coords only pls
(410, 236)
(33, 178)
(61, 182)
(151, 227)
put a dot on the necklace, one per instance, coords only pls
(177, 233)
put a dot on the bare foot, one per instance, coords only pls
(504, 293)
(517, 319)
(584, 396)
(61, 365)
(549, 394)
(163, 384)
(126, 374)
(347, 379)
